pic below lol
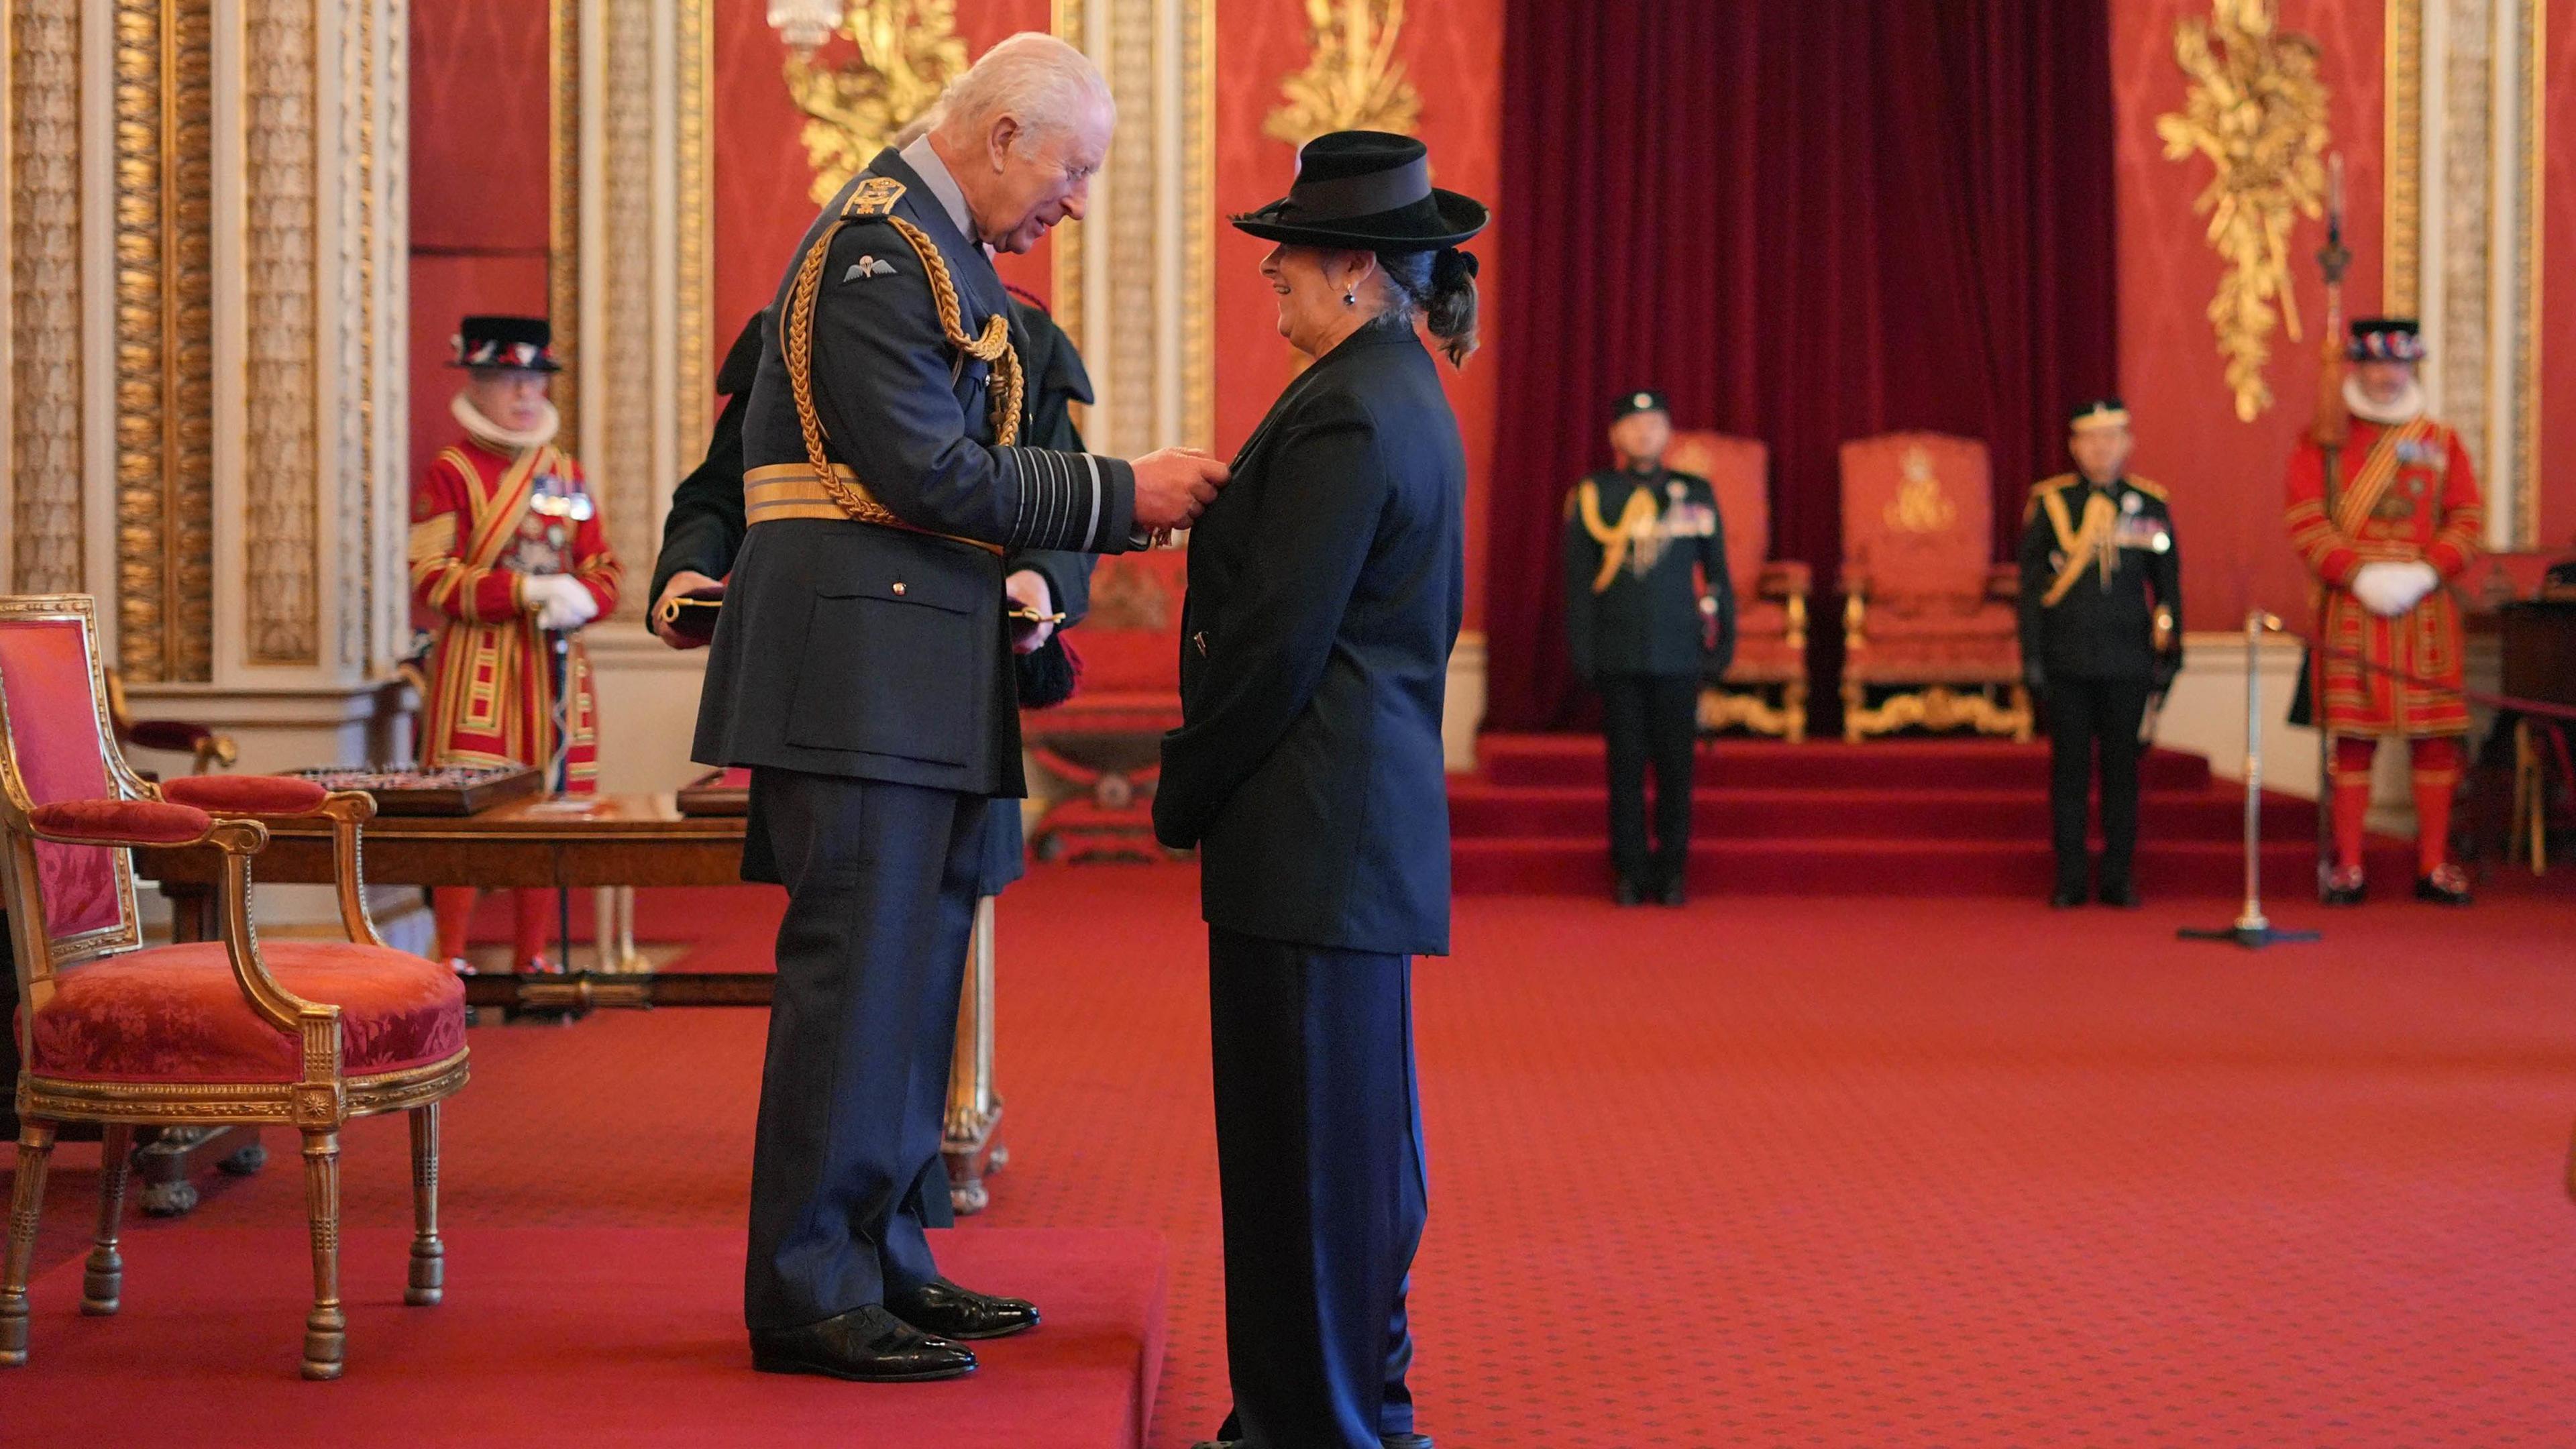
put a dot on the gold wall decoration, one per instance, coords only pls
(163, 59)
(43, 45)
(621, 464)
(563, 224)
(696, 60)
(280, 552)
(2403, 156)
(909, 51)
(1353, 80)
(2257, 110)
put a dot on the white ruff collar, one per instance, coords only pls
(499, 438)
(2407, 408)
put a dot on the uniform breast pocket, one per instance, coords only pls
(891, 670)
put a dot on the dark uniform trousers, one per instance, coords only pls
(2085, 716)
(1650, 717)
(881, 884)
(1319, 1156)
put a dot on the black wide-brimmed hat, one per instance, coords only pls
(521, 342)
(2385, 339)
(1370, 191)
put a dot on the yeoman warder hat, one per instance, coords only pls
(1366, 190)
(521, 342)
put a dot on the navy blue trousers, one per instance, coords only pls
(1319, 1154)
(881, 884)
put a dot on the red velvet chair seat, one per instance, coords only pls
(174, 1014)
(246, 794)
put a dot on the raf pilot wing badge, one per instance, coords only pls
(868, 266)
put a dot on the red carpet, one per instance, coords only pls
(609, 1336)
(1917, 817)
(1762, 1172)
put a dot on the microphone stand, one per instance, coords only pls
(2252, 929)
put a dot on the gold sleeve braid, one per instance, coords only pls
(797, 342)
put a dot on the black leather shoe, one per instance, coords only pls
(1625, 894)
(942, 1308)
(2121, 894)
(866, 1345)
(2066, 897)
(1672, 894)
(2448, 885)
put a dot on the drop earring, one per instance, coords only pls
(1350, 299)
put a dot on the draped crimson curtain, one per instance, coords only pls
(1807, 221)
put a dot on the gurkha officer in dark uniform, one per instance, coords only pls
(2101, 634)
(1650, 613)
(862, 670)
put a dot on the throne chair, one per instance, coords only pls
(1770, 594)
(1930, 621)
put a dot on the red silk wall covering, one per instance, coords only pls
(2226, 476)
(478, 186)
(2558, 284)
(1453, 53)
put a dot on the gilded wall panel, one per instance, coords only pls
(163, 60)
(618, 385)
(281, 603)
(45, 296)
(2462, 372)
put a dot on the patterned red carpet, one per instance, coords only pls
(1759, 1172)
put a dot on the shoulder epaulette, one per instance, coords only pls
(2041, 489)
(2151, 490)
(874, 197)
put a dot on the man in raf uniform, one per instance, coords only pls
(1650, 613)
(2384, 522)
(2101, 634)
(862, 670)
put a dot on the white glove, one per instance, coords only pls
(561, 602)
(2390, 589)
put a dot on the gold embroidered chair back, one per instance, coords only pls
(1929, 617)
(1765, 688)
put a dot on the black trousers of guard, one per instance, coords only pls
(881, 883)
(1650, 717)
(1319, 1158)
(2086, 716)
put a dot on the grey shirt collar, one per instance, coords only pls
(934, 174)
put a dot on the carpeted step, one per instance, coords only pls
(1900, 867)
(1879, 765)
(624, 1336)
(1481, 810)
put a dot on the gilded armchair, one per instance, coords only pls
(307, 1034)
(1929, 621)
(210, 751)
(1770, 595)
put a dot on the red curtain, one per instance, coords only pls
(1807, 221)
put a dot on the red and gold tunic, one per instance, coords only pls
(2403, 494)
(481, 521)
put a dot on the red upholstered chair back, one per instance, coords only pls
(1918, 516)
(54, 745)
(1130, 641)
(1740, 470)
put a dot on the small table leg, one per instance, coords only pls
(974, 1107)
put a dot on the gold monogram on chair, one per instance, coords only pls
(1919, 506)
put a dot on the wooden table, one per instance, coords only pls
(596, 842)
(576, 843)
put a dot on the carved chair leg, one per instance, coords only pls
(326, 1328)
(428, 1255)
(103, 1283)
(35, 1150)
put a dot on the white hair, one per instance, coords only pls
(1038, 80)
